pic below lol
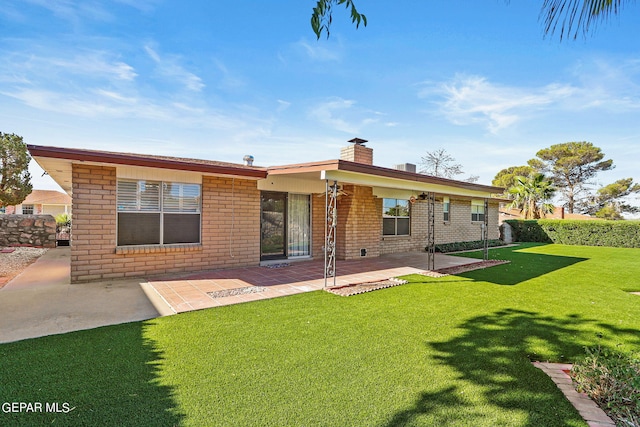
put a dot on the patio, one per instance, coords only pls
(188, 292)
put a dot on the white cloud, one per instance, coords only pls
(282, 105)
(466, 100)
(169, 66)
(341, 114)
(35, 67)
(608, 84)
(319, 52)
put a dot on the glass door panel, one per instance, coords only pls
(273, 222)
(299, 227)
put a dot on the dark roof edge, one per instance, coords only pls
(142, 160)
(413, 176)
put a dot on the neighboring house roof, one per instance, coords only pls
(558, 213)
(47, 197)
(57, 162)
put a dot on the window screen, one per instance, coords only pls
(152, 212)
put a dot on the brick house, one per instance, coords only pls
(138, 215)
(42, 202)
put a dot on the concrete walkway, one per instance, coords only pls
(41, 301)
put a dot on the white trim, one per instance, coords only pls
(398, 184)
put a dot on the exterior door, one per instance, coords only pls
(273, 225)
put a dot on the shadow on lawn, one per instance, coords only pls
(523, 266)
(494, 353)
(106, 376)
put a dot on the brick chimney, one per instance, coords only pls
(357, 152)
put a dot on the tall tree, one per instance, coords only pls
(507, 177)
(15, 180)
(573, 16)
(571, 165)
(440, 163)
(532, 195)
(610, 201)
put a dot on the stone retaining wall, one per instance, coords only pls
(28, 230)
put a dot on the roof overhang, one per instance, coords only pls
(348, 172)
(57, 162)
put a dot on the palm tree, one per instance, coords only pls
(532, 195)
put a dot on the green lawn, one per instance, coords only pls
(450, 351)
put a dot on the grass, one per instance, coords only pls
(448, 351)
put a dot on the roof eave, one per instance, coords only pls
(80, 155)
(348, 166)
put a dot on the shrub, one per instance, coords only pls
(623, 234)
(612, 380)
(466, 246)
(63, 219)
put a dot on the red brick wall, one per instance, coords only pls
(359, 223)
(357, 153)
(460, 228)
(318, 215)
(230, 230)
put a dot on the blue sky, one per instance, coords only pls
(218, 80)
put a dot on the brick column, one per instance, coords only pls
(93, 235)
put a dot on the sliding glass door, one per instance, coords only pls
(273, 222)
(285, 225)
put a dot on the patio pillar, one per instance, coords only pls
(485, 231)
(330, 227)
(431, 231)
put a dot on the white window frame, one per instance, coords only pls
(139, 205)
(30, 207)
(446, 209)
(477, 211)
(396, 217)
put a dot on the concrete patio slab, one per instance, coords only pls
(41, 301)
(191, 291)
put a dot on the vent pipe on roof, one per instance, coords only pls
(248, 160)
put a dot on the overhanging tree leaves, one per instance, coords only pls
(322, 15)
(577, 16)
(571, 165)
(15, 180)
(572, 16)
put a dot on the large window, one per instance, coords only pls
(27, 209)
(158, 213)
(395, 217)
(446, 207)
(477, 210)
